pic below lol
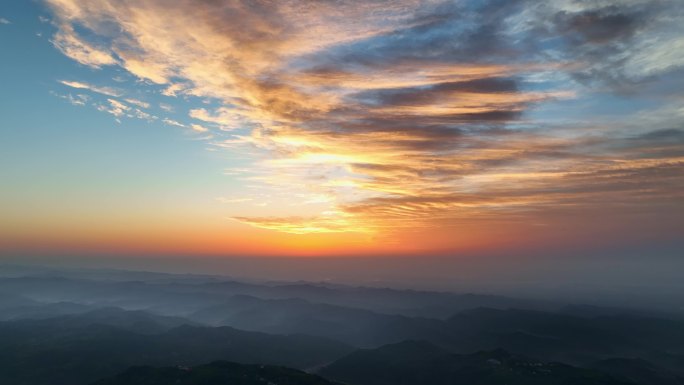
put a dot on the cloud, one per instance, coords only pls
(143, 115)
(303, 225)
(172, 122)
(85, 86)
(115, 108)
(73, 46)
(76, 100)
(198, 128)
(173, 89)
(225, 118)
(406, 113)
(598, 26)
(4, 21)
(666, 135)
(137, 102)
(616, 43)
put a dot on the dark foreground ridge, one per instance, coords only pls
(216, 373)
(77, 350)
(420, 363)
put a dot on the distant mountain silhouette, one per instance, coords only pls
(130, 320)
(358, 327)
(183, 295)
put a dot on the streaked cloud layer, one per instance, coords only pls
(383, 117)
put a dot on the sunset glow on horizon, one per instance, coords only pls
(341, 128)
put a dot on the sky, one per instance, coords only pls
(343, 128)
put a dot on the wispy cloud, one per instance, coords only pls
(75, 47)
(108, 91)
(166, 107)
(172, 122)
(115, 108)
(225, 118)
(305, 225)
(76, 100)
(198, 128)
(4, 21)
(137, 102)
